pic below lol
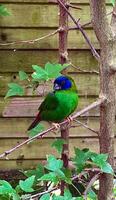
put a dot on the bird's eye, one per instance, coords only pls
(63, 82)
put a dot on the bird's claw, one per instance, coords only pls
(56, 125)
(69, 119)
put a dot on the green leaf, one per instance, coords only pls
(5, 187)
(50, 177)
(113, 2)
(54, 197)
(67, 195)
(53, 70)
(107, 168)
(58, 144)
(15, 196)
(4, 11)
(40, 73)
(15, 89)
(38, 172)
(68, 175)
(27, 184)
(53, 163)
(81, 156)
(91, 194)
(37, 129)
(45, 197)
(23, 75)
(101, 161)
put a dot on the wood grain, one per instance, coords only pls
(75, 38)
(24, 59)
(87, 84)
(36, 14)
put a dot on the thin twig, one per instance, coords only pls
(40, 194)
(30, 41)
(83, 26)
(72, 6)
(90, 185)
(85, 126)
(83, 70)
(40, 135)
(94, 52)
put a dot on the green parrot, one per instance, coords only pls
(58, 104)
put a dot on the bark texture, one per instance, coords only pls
(106, 37)
(63, 24)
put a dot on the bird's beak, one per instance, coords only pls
(56, 87)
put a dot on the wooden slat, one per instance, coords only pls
(23, 60)
(37, 15)
(87, 84)
(75, 39)
(40, 148)
(48, 1)
(22, 164)
(16, 128)
(18, 164)
(28, 107)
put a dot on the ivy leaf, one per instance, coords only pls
(4, 11)
(53, 163)
(23, 75)
(40, 73)
(15, 196)
(45, 197)
(92, 195)
(81, 156)
(113, 2)
(54, 197)
(37, 129)
(58, 144)
(107, 168)
(5, 187)
(27, 184)
(50, 177)
(68, 175)
(67, 195)
(101, 161)
(38, 172)
(15, 89)
(53, 70)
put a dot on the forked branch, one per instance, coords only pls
(40, 135)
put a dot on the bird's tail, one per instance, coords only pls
(35, 122)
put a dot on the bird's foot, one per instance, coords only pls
(69, 119)
(56, 125)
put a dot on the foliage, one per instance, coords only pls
(4, 11)
(53, 172)
(113, 2)
(49, 72)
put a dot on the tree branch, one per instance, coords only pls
(31, 41)
(100, 21)
(87, 127)
(40, 135)
(90, 185)
(94, 52)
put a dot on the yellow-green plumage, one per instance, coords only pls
(60, 103)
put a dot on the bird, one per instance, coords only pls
(59, 103)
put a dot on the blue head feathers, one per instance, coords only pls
(62, 83)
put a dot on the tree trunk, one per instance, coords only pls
(107, 42)
(63, 24)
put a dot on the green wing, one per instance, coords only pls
(50, 103)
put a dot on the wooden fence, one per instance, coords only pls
(33, 19)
